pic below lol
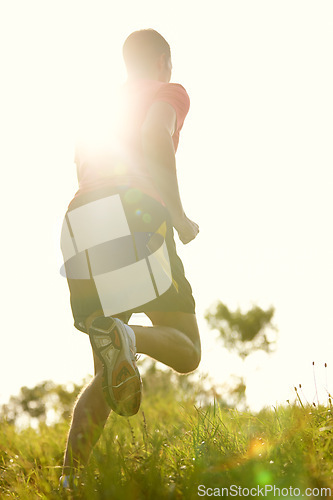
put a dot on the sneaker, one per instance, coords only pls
(111, 340)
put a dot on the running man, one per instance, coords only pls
(119, 251)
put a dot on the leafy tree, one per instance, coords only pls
(246, 332)
(38, 401)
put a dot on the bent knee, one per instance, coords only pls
(190, 362)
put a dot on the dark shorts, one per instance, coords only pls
(120, 256)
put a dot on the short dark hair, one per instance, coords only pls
(142, 47)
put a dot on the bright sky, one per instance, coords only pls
(254, 163)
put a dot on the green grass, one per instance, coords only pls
(171, 447)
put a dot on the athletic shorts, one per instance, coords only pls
(120, 256)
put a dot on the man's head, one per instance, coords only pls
(147, 55)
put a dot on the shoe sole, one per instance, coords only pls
(121, 379)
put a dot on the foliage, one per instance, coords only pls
(48, 402)
(37, 402)
(170, 448)
(243, 332)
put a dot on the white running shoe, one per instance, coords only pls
(113, 343)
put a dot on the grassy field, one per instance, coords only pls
(172, 450)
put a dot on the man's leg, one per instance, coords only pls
(173, 340)
(89, 417)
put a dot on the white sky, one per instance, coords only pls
(254, 162)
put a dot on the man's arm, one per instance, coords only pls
(159, 152)
(157, 132)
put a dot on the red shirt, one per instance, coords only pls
(121, 161)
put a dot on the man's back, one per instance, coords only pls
(120, 160)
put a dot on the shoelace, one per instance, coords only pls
(135, 356)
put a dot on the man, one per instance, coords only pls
(120, 255)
